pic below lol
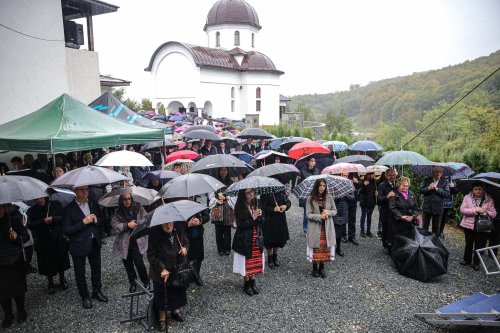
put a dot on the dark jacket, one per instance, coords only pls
(226, 151)
(248, 149)
(163, 254)
(205, 151)
(383, 190)
(342, 216)
(275, 228)
(434, 199)
(80, 234)
(242, 241)
(367, 196)
(305, 172)
(398, 207)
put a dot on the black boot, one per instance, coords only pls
(247, 288)
(338, 250)
(51, 288)
(275, 260)
(8, 318)
(322, 270)
(270, 262)
(254, 288)
(63, 284)
(315, 272)
(21, 310)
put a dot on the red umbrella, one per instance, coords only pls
(182, 154)
(306, 148)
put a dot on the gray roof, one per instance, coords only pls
(222, 59)
(110, 81)
(75, 9)
(232, 12)
(284, 98)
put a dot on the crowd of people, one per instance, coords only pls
(259, 223)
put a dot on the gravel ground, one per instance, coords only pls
(362, 293)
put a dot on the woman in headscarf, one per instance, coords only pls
(13, 284)
(248, 256)
(167, 246)
(125, 219)
(45, 221)
(320, 208)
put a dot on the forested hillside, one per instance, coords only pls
(395, 109)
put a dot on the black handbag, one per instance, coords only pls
(484, 224)
(260, 238)
(182, 274)
(11, 256)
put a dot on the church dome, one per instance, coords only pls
(232, 12)
(256, 61)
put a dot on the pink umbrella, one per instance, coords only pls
(181, 144)
(340, 168)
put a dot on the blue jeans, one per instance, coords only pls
(366, 213)
(304, 221)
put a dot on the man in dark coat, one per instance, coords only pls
(208, 149)
(81, 224)
(45, 221)
(352, 202)
(249, 147)
(435, 190)
(367, 201)
(223, 149)
(386, 190)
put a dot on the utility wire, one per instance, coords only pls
(22, 33)
(451, 107)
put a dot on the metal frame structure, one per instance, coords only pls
(135, 314)
(493, 256)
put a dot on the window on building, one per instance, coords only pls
(257, 97)
(236, 38)
(232, 92)
(217, 38)
(253, 40)
(232, 105)
(232, 100)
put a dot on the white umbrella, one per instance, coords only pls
(144, 196)
(124, 158)
(21, 188)
(88, 175)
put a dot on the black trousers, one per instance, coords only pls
(95, 270)
(351, 225)
(436, 222)
(134, 258)
(339, 230)
(384, 218)
(223, 237)
(474, 240)
(444, 219)
(7, 306)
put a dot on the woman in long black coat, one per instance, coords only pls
(45, 221)
(12, 274)
(404, 209)
(275, 227)
(167, 246)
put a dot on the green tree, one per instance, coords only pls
(118, 93)
(146, 104)
(308, 115)
(296, 131)
(308, 133)
(478, 159)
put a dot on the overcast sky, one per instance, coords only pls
(321, 45)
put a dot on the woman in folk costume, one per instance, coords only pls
(320, 208)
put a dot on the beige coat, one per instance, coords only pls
(314, 222)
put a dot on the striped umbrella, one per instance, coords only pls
(261, 185)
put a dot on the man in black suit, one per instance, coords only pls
(223, 149)
(435, 189)
(249, 147)
(208, 149)
(81, 218)
(384, 193)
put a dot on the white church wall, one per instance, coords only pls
(269, 85)
(227, 36)
(28, 80)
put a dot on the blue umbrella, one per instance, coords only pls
(426, 169)
(176, 118)
(244, 156)
(275, 143)
(365, 146)
(262, 152)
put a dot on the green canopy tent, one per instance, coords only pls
(66, 124)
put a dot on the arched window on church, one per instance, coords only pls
(257, 99)
(217, 38)
(232, 100)
(236, 38)
(253, 39)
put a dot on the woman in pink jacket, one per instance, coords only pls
(475, 204)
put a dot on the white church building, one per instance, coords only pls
(229, 78)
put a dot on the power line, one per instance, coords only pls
(22, 33)
(451, 107)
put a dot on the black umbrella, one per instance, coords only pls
(289, 143)
(261, 185)
(179, 210)
(419, 254)
(154, 145)
(254, 133)
(281, 171)
(322, 160)
(492, 188)
(202, 135)
(358, 159)
(230, 142)
(210, 165)
(33, 174)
